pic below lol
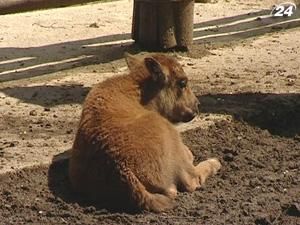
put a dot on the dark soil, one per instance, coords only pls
(259, 183)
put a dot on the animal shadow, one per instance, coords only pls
(60, 186)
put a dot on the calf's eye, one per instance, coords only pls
(182, 83)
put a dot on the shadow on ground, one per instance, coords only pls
(19, 63)
(49, 95)
(243, 26)
(277, 113)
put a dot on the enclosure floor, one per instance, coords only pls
(259, 184)
(243, 67)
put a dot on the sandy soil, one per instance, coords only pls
(244, 67)
(258, 184)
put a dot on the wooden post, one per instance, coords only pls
(147, 26)
(171, 28)
(135, 17)
(184, 23)
(166, 25)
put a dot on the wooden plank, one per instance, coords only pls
(16, 6)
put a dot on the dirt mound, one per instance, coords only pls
(258, 184)
(277, 113)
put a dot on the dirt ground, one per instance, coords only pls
(244, 68)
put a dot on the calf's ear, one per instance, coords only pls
(132, 61)
(155, 69)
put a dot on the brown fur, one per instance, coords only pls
(126, 147)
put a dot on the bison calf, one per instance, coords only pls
(127, 149)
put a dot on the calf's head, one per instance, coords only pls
(165, 87)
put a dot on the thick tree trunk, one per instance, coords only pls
(15, 6)
(184, 15)
(135, 17)
(166, 25)
(163, 24)
(147, 29)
